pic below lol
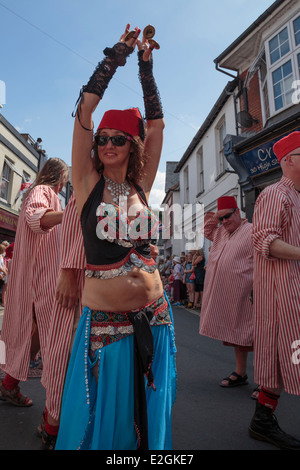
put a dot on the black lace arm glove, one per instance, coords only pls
(153, 106)
(115, 56)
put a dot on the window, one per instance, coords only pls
(200, 170)
(279, 45)
(5, 181)
(282, 61)
(263, 77)
(220, 136)
(282, 85)
(186, 184)
(296, 24)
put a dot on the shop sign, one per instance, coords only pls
(262, 159)
(8, 220)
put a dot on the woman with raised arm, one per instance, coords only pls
(121, 380)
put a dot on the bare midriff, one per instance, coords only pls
(123, 293)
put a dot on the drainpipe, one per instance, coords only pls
(232, 76)
(245, 96)
(226, 73)
(235, 97)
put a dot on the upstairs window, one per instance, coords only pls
(186, 184)
(296, 24)
(5, 182)
(279, 45)
(283, 78)
(220, 136)
(283, 66)
(200, 171)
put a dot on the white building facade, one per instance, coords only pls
(21, 158)
(204, 173)
(265, 59)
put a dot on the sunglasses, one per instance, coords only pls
(226, 216)
(117, 140)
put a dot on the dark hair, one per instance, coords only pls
(55, 171)
(137, 160)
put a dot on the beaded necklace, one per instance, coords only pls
(117, 189)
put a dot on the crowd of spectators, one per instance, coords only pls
(6, 249)
(183, 277)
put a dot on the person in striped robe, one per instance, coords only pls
(227, 311)
(276, 236)
(31, 283)
(64, 321)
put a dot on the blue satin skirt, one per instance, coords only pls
(100, 416)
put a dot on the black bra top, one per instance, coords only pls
(108, 235)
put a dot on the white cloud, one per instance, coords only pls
(158, 190)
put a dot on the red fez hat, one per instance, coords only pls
(226, 202)
(129, 121)
(286, 145)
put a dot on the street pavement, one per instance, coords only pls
(205, 415)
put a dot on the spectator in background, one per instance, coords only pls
(8, 258)
(189, 278)
(3, 270)
(167, 266)
(199, 271)
(160, 266)
(171, 285)
(178, 286)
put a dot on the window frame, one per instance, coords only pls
(292, 56)
(200, 171)
(186, 184)
(8, 181)
(221, 161)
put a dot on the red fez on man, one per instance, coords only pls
(286, 145)
(226, 202)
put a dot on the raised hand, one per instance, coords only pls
(147, 44)
(130, 37)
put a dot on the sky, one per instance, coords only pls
(50, 48)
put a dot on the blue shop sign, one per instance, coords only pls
(262, 159)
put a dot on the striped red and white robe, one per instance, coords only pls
(276, 288)
(31, 281)
(227, 310)
(63, 320)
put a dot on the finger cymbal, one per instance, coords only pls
(149, 31)
(153, 44)
(130, 35)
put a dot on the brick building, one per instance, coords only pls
(265, 60)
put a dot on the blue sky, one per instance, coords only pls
(49, 49)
